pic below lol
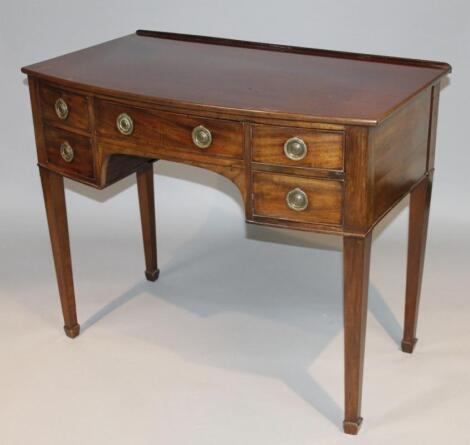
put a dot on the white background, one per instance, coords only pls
(240, 340)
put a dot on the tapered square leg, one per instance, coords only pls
(420, 201)
(356, 262)
(147, 215)
(54, 198)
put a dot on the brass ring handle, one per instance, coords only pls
(66, 151)
(297, 200)
(61, 108)
(125, 124)
(295, 149)
(202, 137)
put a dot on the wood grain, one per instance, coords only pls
(169, 130)
(298, 171)
(369, 122)
(54, 199)
(296, 225)
(258, 81)
(356, 265)
(37, 119)
(358, 199)
(325, 198)
(147, 217)
(82, 163)
(77, 104)
(116, 167)
(292, 49)
(399, 150)
(420, 202)
(324, 149)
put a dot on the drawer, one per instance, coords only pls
(298, 147)
(65, 108)
(71, 153)
(171, 131)
(314, 200)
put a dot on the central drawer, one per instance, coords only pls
(169, 131)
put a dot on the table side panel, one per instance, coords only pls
(399, 149)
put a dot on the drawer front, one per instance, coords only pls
(71, 153)
(62, 107)
(315, 148)
(171, 131)
(323, 203)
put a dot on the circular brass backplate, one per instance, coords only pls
(295, 149)
(297, 199)
(125, 124)
(61, 108)
(202, 137)
(66, 151)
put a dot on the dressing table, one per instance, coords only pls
(315, 140)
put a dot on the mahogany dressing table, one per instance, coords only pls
(315, 140)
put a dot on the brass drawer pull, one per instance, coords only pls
(125, 124)
(66, 151)
(202, 137)
(297, 200)
(295, 149)
(61, 109)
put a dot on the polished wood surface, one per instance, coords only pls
(82, 163)
(170, 70)
(399, 150)
(324, 198)
(369, 124)
(359, 167)
(162, 130)
(324, 148)
(420, 202)
(119, 166)
(356, 265)
(147, 216)
(54, 199)
(78, 117)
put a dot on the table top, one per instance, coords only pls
(231, 75)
